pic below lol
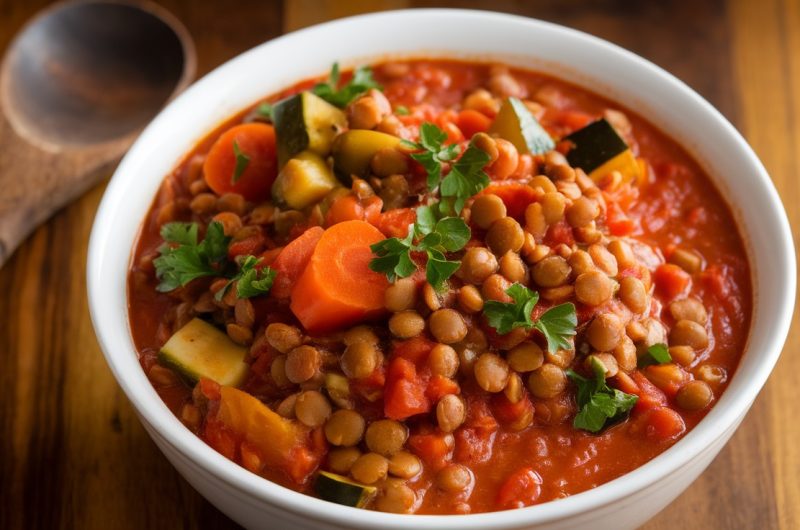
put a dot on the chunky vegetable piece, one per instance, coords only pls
(305, 122)
(337, 287)
(200, 350)
(456, 293)
(242, 160)
(516, 124)
(598, 149)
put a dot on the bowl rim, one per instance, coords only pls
(724, 416)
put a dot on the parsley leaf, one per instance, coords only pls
(250, 281)
(432, 151)
(656, 354)
(393, 257)
(505, 316)
(402, 110)
(182, 259)
(361, 82)
(466, 178)
(436, 237)
(598, 402)
(242, 161)
(557, 324)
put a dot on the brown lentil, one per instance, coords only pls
(312, 408)
(552, 271)
(469, 299)
(525, 357)
(386, 437)
(404, 465)
(477, 264)
(401, 295)
(406, 324)
(688, 333)
(302, 363)
(283, 337)
(345, 427)
(447, 326)
(547, 381)
(487, 209)
(505, 234)
(694, 395)
(450, 413)
(359, 359)
(370, 468)
(593, 288)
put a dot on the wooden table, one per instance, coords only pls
(73, 454)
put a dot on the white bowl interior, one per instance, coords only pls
(567, 54)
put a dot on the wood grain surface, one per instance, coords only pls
(72, 452)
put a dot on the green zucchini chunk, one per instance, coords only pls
(515, 123)
(594, 145)
(199, 349)
(341, 490)
(303, 122)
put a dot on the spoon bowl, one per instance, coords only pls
(77, 84)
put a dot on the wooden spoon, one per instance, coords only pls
(77, 85)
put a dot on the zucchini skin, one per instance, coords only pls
(594, 145)
(287, 116)
(341, 490)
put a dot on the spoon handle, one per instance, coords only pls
(35, 183)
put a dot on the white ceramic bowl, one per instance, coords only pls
(604, 68)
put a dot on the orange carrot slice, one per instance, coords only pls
(292, 261)
(337, 287)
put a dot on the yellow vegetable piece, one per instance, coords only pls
(274, 436)
(625, 163)
(303, 181)
(353, 151)
(199, 349)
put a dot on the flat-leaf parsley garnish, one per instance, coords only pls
(557, 324)
(331, 92)
(434, 236)
(598, 403)
(242, 161)
(184, 259)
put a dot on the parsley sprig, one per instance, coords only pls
(250, 281)
(466, 176)
(557, 324)
(340, 96)
(598, 403)
(435, 236)
(432, 152)
(184, 259)
(656, 354)
(242, 161)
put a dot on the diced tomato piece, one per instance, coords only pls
(560, 232)
(415, 349)
(660, 424)
(249, 246)
(395, 223)
(433, 449)
(404, 394)
(521, 489)
(372, 209)
(472, 122)
(617, 221)
(475, 440)
(671, 280)
(508, 412)
(515, 195)
(649, 395)
(439, 386)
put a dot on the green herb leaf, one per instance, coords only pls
(433, 152)
(265, 111)
(402, 110)
(436, 237)
(393, 257)
(505, 316)
(557, 324)
(439, 269)
(250, 281)
(182, 259)
(656, 354)
(598, 403)
(242, 161)
(466, 178)
(340, 96)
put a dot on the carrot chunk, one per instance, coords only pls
(292, 261)
(337, 287)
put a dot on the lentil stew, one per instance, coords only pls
(439, 287)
